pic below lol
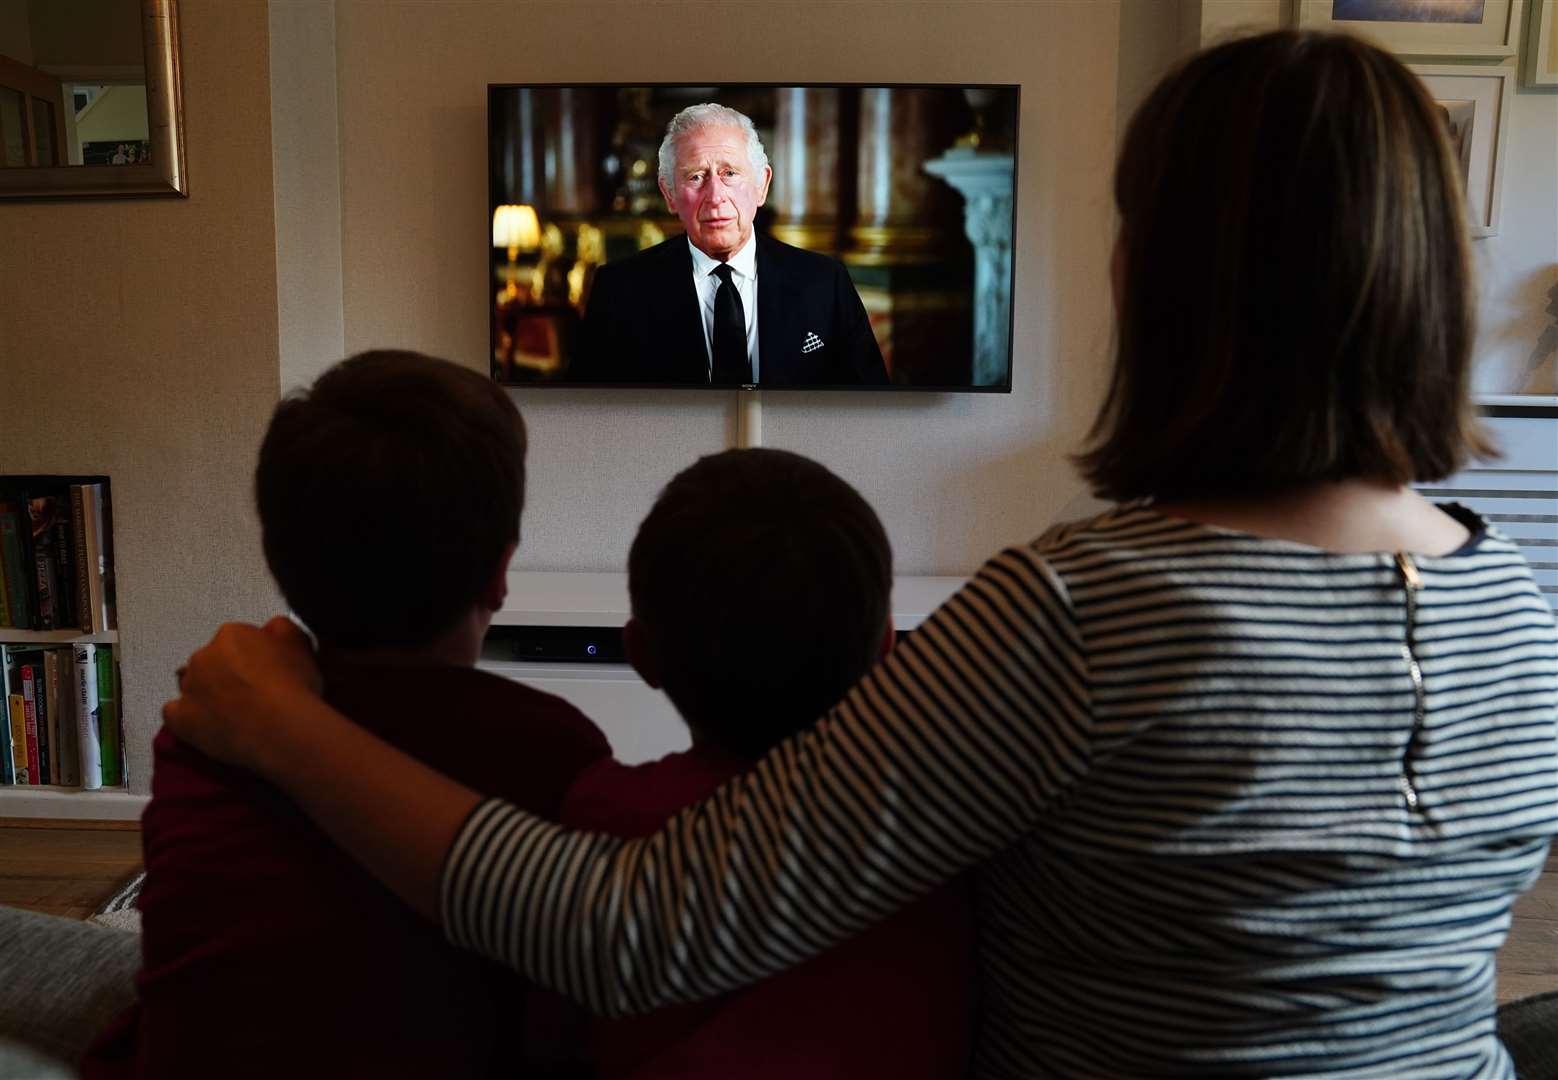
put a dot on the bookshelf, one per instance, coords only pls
(59, 651)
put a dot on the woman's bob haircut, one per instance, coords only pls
(1296, 303)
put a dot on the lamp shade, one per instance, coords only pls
(516, 226)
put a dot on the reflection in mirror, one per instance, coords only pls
(78, 67)
(89, 85)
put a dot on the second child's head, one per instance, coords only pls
(760, 584)
(389, 496)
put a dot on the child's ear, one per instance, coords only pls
(889, 639)
(636, 644)
(497, 588)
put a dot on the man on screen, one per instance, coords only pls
(723, 305)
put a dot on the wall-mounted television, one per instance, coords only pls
(752, 236)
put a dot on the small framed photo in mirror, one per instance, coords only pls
(90, 100)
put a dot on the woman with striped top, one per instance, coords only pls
(1250, 769)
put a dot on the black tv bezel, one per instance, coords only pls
(1011, 314)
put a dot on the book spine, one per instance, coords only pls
(8, 568)
(62, 715)
(19, 768)
(78, 528)
(45, 594)
(108, 715)
(60, 540)
(87, 717)
(30, 721)
(7, 744)
(26, 567)
(105, 543)
(48, 722)
(40, 708)
(91, 504)
(7, 749)
(40, 533)
(15, 576)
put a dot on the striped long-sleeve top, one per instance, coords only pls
(1238, 806)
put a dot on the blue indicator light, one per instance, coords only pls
(591, 650)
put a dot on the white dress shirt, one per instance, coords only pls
(744, 263)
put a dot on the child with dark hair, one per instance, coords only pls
(389, 497)
(759, 586)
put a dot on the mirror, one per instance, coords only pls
(90, 100)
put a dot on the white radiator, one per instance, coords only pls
(1519, 492)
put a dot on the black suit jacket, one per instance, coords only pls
(643, 324)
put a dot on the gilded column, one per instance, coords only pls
(805, 160)
(518, 149)
(897, 205)
(573, 153)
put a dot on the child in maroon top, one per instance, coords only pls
(759, 586)
(389, 499)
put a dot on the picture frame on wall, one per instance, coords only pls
(1541, 66)
(1467, 29)
(1475, 100)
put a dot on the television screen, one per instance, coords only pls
(745, 235)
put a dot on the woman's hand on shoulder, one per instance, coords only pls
(239, 687)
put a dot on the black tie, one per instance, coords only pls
(731, 364)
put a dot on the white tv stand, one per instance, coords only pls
(537, 598)
(639, 722)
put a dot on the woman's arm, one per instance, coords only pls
(945, 754)
(395, 815)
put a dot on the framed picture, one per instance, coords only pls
(1459, 28)
(1474, 102)
(1542, 44)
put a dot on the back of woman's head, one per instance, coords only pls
(1296, 299)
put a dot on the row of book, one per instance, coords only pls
(62, 704)
(56, 554)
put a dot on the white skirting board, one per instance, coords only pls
(70, 804)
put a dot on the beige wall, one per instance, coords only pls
(1151, 41)
(118, 113)
(1517, 341)
(138, 339)
(15, 31)
(307, 171)
(87, 33)
(1221, 19)
(954, 476)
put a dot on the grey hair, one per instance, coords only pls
(708, 114)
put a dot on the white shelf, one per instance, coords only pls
(537, 598)
(70, 803)
(11, 636)
(1519, 401)
(527, 670)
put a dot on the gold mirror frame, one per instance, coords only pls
(165, 128)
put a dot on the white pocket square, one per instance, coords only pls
(812, 343)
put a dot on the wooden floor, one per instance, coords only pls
(72, 868)
(67, 868)
(1528, 962)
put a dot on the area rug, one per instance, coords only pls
(120, 912)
